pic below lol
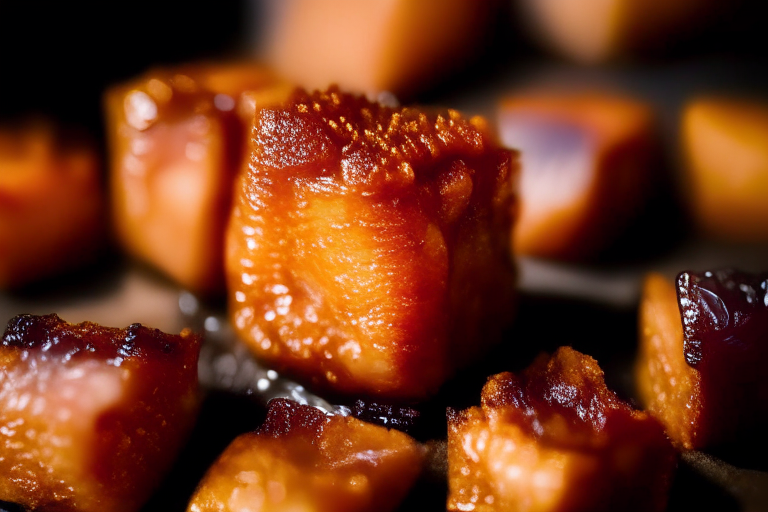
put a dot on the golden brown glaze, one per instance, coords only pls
(91, 417)
(367, 248)
(176, 141)
(556, 438)
(301, 459)
(588, 167)
(51, 204)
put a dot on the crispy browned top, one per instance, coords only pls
(365, 144)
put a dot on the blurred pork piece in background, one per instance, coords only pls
(51, 206)
(589, 164)
(725, 143)
(595, 31)
(177, 138)
(400, 46)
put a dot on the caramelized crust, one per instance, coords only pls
(588, 166)
(301, 459)
(51, 204)
(727, 171)
(176, 141)
(702, 356)
(92, 417)
(555, 438)
(366, 251)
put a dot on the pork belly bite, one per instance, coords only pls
(588, 167)
(368, 250)
(556, 438)
(701, 368)
(176, 140)
(51, 204)
(91, 417)
(302, 459)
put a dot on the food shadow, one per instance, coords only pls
(223, 417)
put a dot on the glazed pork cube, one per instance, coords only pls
(51, 204)
(91, 417)
(368, 247)
(701, 368)
(588, 166)
(398, 46)
(556, 438)
(726, 182)
(176, 141)
(302, 459)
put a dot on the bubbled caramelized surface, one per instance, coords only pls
(702, 356)
(366, 251)
(302, 459)
(556, 438)
(91, 416)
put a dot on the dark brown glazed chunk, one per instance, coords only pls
(403, 419)
(92, 417)
(302, 459)
(556, 438)
(366, 251)
(703, 355)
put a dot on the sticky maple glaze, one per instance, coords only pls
(301, 459)
(51, 204)
(366, 251)
(556, 438)
(702, 357)
(176, 139)
(92, 417)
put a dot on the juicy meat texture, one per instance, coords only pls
(51, 204)
(91, 417)
(302, 459)
(176, 140)
(556, 438)
(595, 31)
(703, 354)
(368, 248)
(588, 168)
